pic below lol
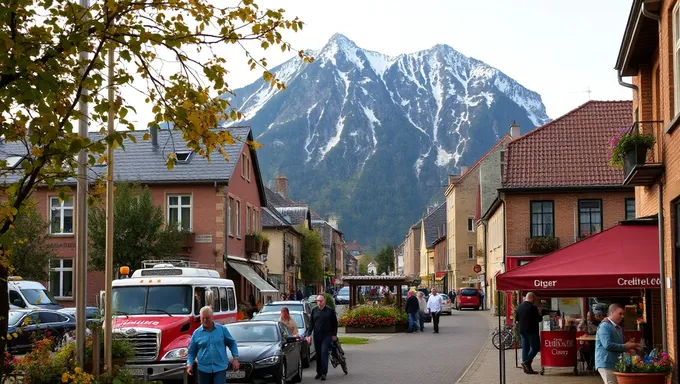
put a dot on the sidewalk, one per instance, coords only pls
(485, 368)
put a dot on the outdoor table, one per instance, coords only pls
(587, 341)
(558, 350)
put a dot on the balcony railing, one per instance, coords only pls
(642, 165)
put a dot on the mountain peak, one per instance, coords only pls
(339, 38)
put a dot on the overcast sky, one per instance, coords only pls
(556, 48)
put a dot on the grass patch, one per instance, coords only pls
(353, 340)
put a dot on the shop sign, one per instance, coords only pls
(203, 239)
(639, 282)
(558, 349)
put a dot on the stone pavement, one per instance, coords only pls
(485, 368)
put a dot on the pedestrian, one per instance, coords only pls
(324, 325)
(422, 307)
(252, 306)
(291, 296)
(528, 318)
(208, 347)
(412, 309)
(299, 295)
(610, 344)
(481, 299)
(434, 307)
(288, 321)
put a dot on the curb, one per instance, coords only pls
(474, 361)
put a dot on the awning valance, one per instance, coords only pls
(252, 276)
(622, 257)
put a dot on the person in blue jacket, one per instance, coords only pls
(208, 347)
(610, 344)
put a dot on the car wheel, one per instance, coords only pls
(298, 376)
(307, 357)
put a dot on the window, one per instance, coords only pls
(179, 211)
(230, 212)
(248, 219)
(224, 303)
(61, 216)
(216, 299)
(61, 277)
(245, 167)
(590, 217)
(254, 221)
(183, 157)
(676, 56)
(630, 209)
(542, 218)
(471, 252)
(232, 299)
(238, 218)
(471, 225)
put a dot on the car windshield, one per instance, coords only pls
(274, 316)
(444, 297)
(468, 292)
(168, 299)
(14, 317)
(39, 297)
(344, 291)
(254, 332)
(277, 307)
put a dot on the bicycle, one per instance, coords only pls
(505, 337)
(338, 356)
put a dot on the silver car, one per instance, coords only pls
(447, 306)
(302, 320)
(293, 306)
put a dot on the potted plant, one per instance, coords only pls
(628, 149)
(651, 369)
(542, 244)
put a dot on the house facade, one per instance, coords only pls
(283, 257)
(218, 202)
(411, 249)
(433, 228)
(649, 55)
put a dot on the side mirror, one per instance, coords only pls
(291, 339)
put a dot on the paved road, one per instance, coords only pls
(414, 358)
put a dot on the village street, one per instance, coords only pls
(411, 358)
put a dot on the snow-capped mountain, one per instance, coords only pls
(371, 138)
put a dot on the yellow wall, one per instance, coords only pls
(461, 200)
(275, 252)
(494, 250)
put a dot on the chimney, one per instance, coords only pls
(282, 186)
(514, 130)
(453, 178)
(463, 169)
(154, 136)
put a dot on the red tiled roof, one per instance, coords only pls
(569, 151)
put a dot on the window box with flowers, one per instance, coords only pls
(654, 368)
(628, 149)
(374, 319)
(542, 244)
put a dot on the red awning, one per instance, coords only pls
(622, 257)
(439, 275)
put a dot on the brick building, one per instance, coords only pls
(219, 202)
(649, 54)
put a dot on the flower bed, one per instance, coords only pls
(374, 319)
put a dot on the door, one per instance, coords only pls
(289, 351)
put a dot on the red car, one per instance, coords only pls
(468, 298)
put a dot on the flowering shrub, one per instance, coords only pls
(9, 365)
(654, 362)
(373, 317)
(77, 377)
(38, 365)
(624, 142)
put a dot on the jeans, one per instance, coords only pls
(322, 345)
(212, 377)
(413, 322)
(531, 345)
(435, 321)
(421, 320)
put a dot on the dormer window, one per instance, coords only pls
(13, 161)
(245, 167)
(183, 157)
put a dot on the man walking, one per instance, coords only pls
(412, 309)
(324, 324)
(422, 307)
(434, 307)
(609, 344)
(528, 318)
(208, 346)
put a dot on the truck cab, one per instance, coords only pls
(24, 294)
(157, 311)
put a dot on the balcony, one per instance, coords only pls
(642, 165)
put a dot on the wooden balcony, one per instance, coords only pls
(642, 166)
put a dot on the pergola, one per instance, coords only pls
(355, 282)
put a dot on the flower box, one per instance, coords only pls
(542, 244)
(633, 157)
(251, 244)
(641, 378)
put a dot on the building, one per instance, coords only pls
(649, 54)
(411, 247)
(219, 202)
(283, 258)
(373, 268)
(558, 188)
(466, 194)
(432, 229)
(351, 266)
(399, 259)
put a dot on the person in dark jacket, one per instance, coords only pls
(324, 324)
(412, 308)
(528, 318)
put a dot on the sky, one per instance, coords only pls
(560, 49)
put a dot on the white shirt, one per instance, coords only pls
(434, 303)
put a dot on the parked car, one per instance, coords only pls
(301, 319)
(311, 301)
(468, 298)
(446, 303)
(36, 324)
(91, 313)
(342, 297)
(298, 306)
(267, 353)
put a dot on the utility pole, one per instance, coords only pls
(81, 217)
(108, 334)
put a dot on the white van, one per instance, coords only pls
(29, 294)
